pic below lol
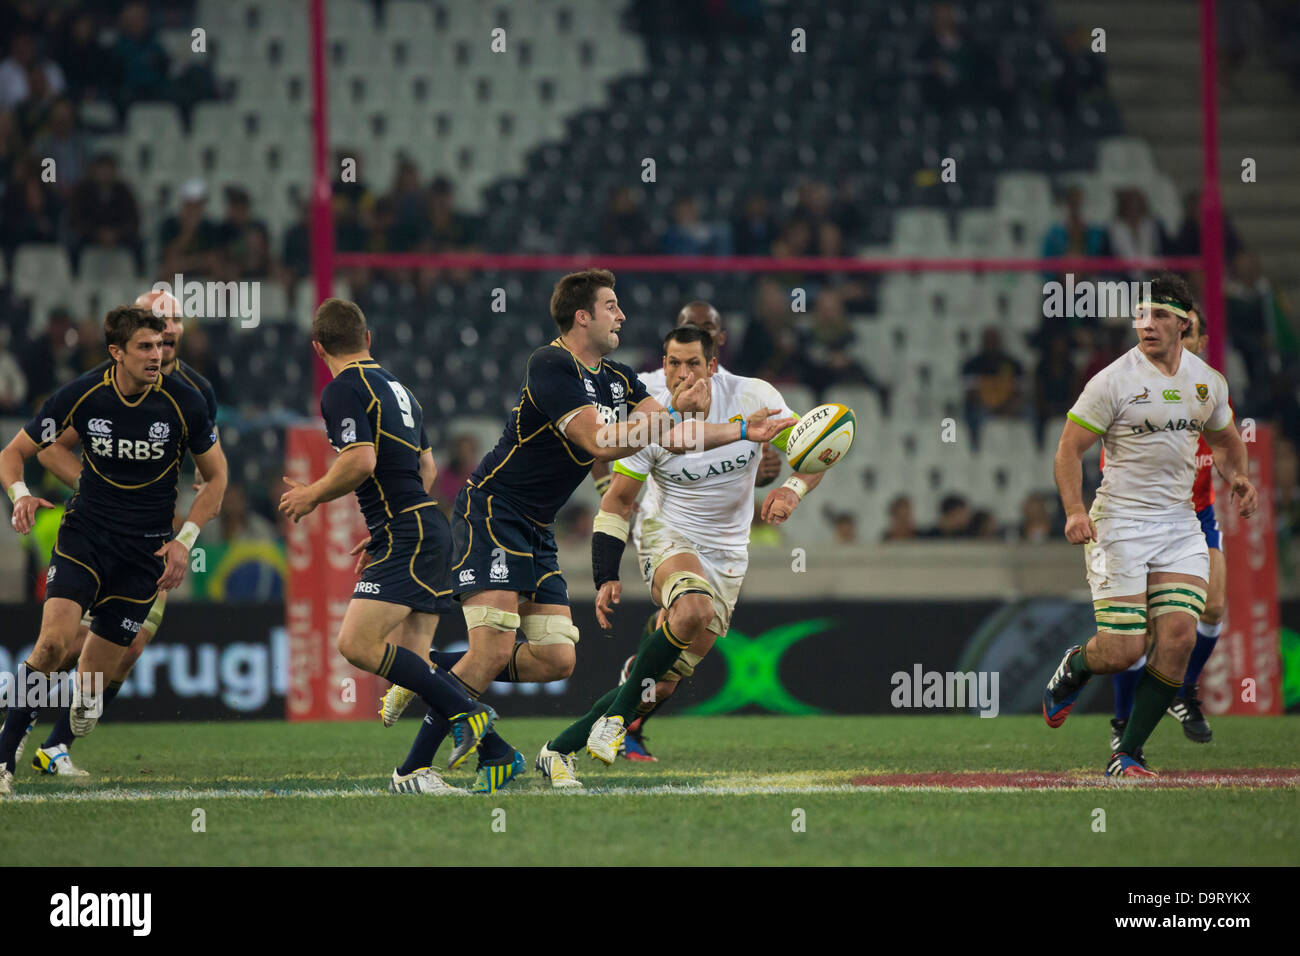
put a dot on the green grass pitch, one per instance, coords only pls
(726, 791)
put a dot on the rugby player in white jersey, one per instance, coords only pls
(692, 550)
(1146, 553)
(701, 315)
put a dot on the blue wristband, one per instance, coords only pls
(744, 429)
(674, 414)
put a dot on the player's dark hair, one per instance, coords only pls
(1196, 327)
(339, 326)
(1171, 289)
(123, 322)
(687, 334)
(577, 291)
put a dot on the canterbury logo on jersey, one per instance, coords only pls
(725, 467)
(100, 426)
(1183, 424)
(1171, 395)
(128, 450)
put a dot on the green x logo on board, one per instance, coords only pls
(753, 670)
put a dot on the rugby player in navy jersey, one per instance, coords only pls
(575, 407)
(54, 755)
(116, 547)
(377, 427)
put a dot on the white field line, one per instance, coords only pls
(130, 795)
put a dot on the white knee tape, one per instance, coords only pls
(544, 629)
(481, 615)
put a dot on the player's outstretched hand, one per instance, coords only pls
(25, 509)
(360, 549)
(297, 502)
(1079, 528)
(780, 503)
(692, 395)
(762, 427)
(176, 558)
(609, 595)
(1246, 495)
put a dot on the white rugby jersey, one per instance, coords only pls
(708, 496)
(1150, 423)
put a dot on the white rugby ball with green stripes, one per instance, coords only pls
(820, 438)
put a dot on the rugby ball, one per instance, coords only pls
(820, 438)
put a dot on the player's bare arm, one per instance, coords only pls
(781, 502)
(1231, 461)
(428, 471)
(60, 460)
(618, 504)
(350, 469)
(769, 466)
(1068, 466)
(12, 459)
(621, 439)
(214, 471)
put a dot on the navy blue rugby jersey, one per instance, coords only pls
(189, 376)
(131, 448)
(533, 465)
(366, 405)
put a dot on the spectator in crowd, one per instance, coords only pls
(770, 348)
(296, 253)
(690, 235)
(409, 202)
(1257, 326)
(1073, 235)
(189, 239)
(448, 230)
(51, 359)
(754, 229)
(992, 379)
(1054, 391)
(954, 519)
(984, 525)
(826, 359)
(16, 72)
(1035, 519)
(34, 111)
(90, 68)
(141, 59)
(1187, 241)
(453, 473)
(1135, 234)
(103, 212)
(1101, 348)
(30, 211)
(13, 383)
(844, 526)
(238, 521)
(89, 336)
(955, 69)
(11, 147)
(624, 228)
(1082, 76)
(351, 189)
(902, 521)
(63, 142)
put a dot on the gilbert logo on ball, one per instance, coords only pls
(820, 438)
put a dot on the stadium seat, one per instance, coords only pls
(1125, 160)
(98, 263)
(40, 266)
(922, 233)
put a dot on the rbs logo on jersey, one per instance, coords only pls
(127, 449)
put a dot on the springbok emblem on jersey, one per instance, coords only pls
(1203, 393)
